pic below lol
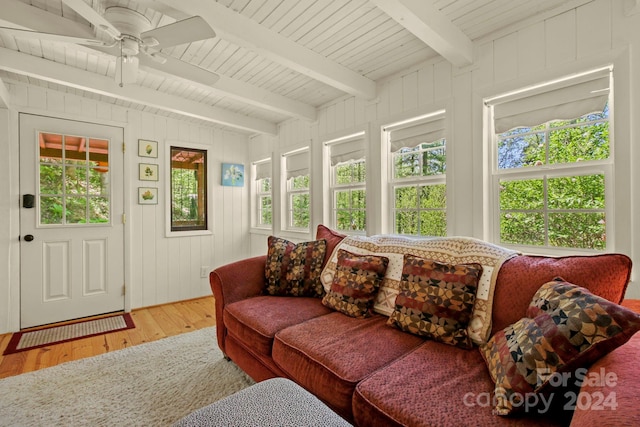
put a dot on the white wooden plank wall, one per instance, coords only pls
(519, 57)
(162, 269)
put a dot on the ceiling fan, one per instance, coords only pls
(133, 41)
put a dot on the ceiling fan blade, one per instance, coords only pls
(178, 68)
(88, 13)
(52, 37)
(185, 31)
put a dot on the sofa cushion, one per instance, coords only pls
(329, 355)
(519, 278)
(436, 300)
(355, 283)
(435, 385)
(332, 237)
(568, 328)
(294, 269)
(619, 388)
(255, 321)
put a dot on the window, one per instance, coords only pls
(188, 189)
(264, 200)
(73, 180)
(552, 163)
(418, 175)
(298, 198)
(347, 186)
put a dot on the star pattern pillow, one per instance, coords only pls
(356, 283)
(436, 300)
(566, 328)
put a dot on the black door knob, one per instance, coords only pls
(28, 237)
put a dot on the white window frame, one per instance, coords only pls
(416, 181)
(290, 192)
(549, 171)
(258, 194)
(335, 188)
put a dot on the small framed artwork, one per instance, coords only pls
(147, 148)
(148, 172)
(147, 196)
(232, 175)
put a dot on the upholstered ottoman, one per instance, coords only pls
(274, 402)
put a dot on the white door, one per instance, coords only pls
(71, 231)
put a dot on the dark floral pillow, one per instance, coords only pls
(436, 300)
(356, 283)
(568, 328)
(294, 269)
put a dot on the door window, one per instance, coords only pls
(73, 180)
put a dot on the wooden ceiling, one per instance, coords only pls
(276, 59)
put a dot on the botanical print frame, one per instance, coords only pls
(147, 196)
(147, 148)
(148, 172)
(233, 174)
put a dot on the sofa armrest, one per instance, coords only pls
(234, 282)
(613, 377)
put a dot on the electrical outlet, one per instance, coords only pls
(204, 271)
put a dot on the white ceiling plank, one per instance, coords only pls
(31, 66)
(431, 26)
(248, 33)
(22, 15)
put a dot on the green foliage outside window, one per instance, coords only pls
(188, 189)
(551, 210)
(73, 191)
(423, 160)
(265, 209)
(350, 196)
(420, 209)
(299, 202)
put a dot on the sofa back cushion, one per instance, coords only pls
(332, 237)
(519, 278)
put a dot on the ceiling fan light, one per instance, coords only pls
(126, 69)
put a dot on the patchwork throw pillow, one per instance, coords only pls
(356, 283)
(294, 269)
(436, 300)
(568, 328)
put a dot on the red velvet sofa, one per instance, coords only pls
(375, 375)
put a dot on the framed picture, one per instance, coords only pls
(148, 172)
(147, 196)
(232, 175)
(147, 148)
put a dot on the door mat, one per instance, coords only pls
(28, 340)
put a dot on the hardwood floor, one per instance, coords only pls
(152, 324)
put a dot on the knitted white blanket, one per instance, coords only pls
(450, 250)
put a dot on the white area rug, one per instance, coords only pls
(152, 384)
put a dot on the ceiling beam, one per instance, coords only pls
(245, 32)
(426, 22)
(18, 14)
(5, 97)
(54, 72)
